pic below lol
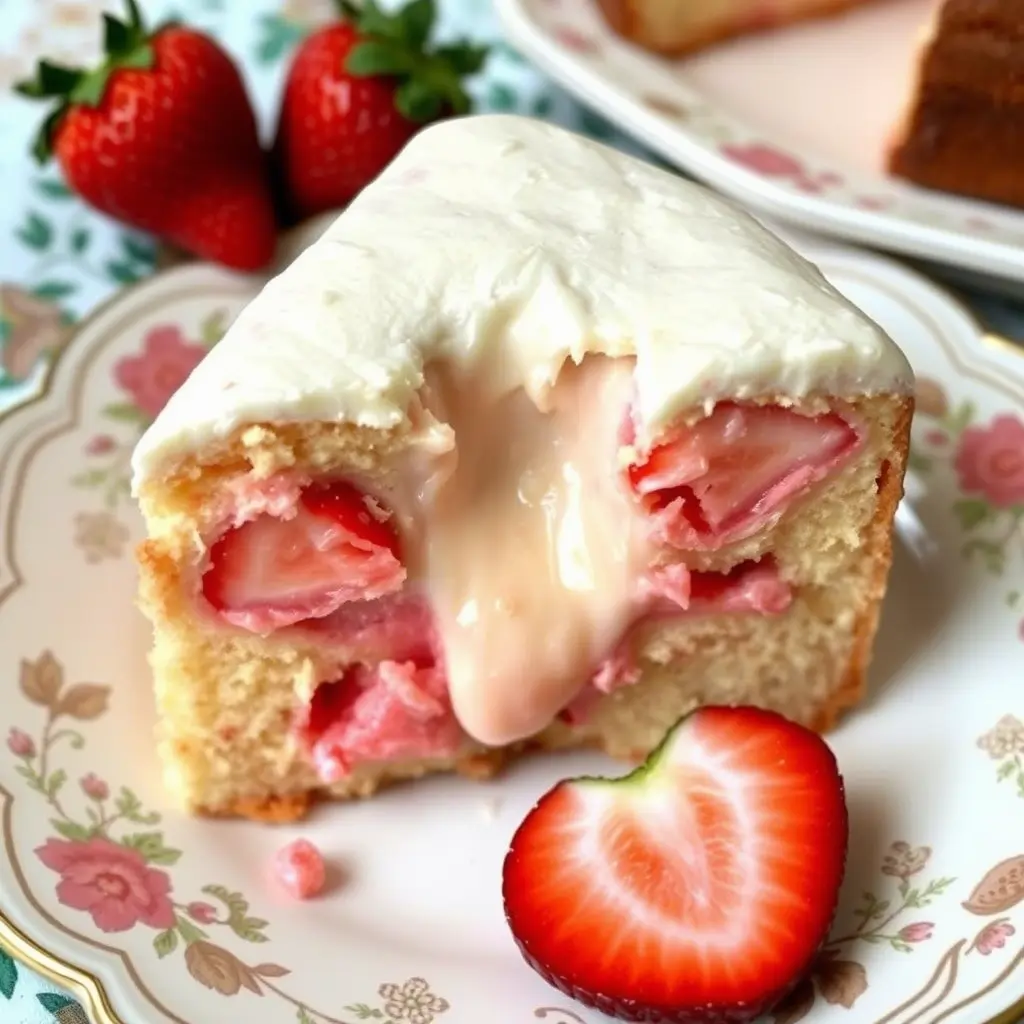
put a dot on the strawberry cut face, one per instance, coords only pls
(700, 887)
(736, 471)
(273, 572)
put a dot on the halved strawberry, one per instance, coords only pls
(273, 572)
(696, 889)
(735, 470)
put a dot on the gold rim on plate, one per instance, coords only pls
(84, 984)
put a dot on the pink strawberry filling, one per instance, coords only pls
(323, 562)
(750, 587)
(735, 472)
(394, 704)
(391, 711)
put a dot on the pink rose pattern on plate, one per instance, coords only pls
(151, 377)
(114, 865)
(111, 882)
(987, 462)
(736, 144)
(990, 462)
(775, 163)
(147, 380)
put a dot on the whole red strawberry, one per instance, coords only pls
(161, 136)
(357, 91)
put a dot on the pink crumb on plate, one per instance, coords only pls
(300, 869)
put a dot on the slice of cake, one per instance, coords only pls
(677, 27)
(964, 127)
(538, 446)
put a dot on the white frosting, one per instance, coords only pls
(504, 231)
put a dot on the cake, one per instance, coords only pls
(964, 126)
(538, 446)
(677, 27)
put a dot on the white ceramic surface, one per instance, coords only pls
(157, 917)
(792, 123)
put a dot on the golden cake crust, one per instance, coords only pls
(962, 129)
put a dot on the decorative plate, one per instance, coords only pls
(153, 916)
(788, 122)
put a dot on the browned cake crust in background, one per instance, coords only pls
(964, 129)
(670, 26)
(481, 765)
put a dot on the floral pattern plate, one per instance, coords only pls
(153, 916)
(787, 122)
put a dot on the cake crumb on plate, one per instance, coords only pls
(299, 867)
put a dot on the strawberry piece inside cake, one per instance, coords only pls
(538, 446)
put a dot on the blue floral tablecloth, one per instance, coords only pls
(58, 259)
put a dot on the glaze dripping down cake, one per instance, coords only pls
(537, 447)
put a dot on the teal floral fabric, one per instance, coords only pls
(59, 259)
(26, 998)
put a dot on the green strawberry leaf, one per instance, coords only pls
(126, 45)
(117, 36)
(398, 45)
(372, 21)
(51, 80)
(134, 15)
(417, 101)
(417, 21)
(379, 57)
(465, 58)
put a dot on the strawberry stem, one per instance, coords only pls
(126, 44)
(429, 79)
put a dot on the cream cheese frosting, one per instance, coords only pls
(511, 238)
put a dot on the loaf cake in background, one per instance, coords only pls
(964, 125)
(678, 27)
(961, 127)
(537, 447)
